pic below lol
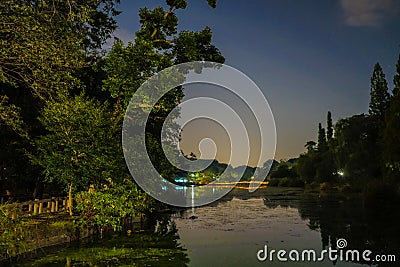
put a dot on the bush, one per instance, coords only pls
(13, 234)
(108, 207)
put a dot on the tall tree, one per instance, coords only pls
(323, 159)
(329, 127)
(79, 147)
(158, 45)
(322, 145)
(396, 79)
(379, 93)
(391, 135)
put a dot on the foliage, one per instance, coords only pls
(396, 79)
(310, 146)
(158, 45)
(362, 146)
(317, 164)
(109, 206)
(10, 116)
(283, 170)
(158, 246)
(322, 144)
(32, 54)
(391, 133)
(80, 146)
(329, 127)
(306, 167)
(325, 167)
(284, 174)
(24, 234)
(356, 150)
(12, 232)
(379, 93)
(44, 46)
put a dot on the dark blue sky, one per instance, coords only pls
(307, 57)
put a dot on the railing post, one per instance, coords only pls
(53, 205)
(56, 205)
(40, 207)
(48, 208)
(36, 206)
(64, 206)
(30, 206)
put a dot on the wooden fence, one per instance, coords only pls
(39, 206)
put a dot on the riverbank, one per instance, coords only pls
(20, 237)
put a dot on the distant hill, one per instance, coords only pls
(216, 168)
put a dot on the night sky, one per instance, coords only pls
(307, 57)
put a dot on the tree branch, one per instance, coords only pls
(171, 8)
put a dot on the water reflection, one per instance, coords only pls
(229, 232)
(156, 246)
(346, 216)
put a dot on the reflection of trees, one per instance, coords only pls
(283, 201)
(157, 245)
(346, 217)
(161, 241)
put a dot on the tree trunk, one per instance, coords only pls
(70, 199)
(38, 192)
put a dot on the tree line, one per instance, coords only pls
(361, 152)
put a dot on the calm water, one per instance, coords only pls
(232, 231)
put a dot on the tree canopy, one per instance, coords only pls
(43, 43)
(379, 93)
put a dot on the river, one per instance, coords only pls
(233, 230)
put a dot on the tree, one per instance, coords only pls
(109, 207)
(391, 134)
(283, 170)
(396, 79)
(80, 147)
(158, 45)
(44, 45)
(329, 127)
(322, 145)
(325, 167)
(391, 138)
(310, 146)
(306, 167)
(379, 94)
(357, 151)
(32, 54)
